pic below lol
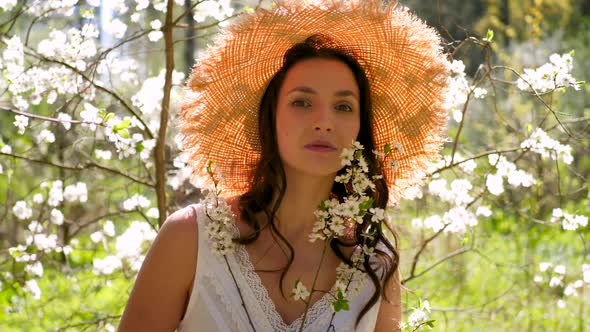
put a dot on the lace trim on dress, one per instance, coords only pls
(318, 309)
(217, 275)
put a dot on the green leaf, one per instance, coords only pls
(108, 116)
(122, 125)
(489, 36)
(123, 133)
(572, 52)
(387, 148)
(139, 147)
(465, 241)
(248, 10)
(430, 323)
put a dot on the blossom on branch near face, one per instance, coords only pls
(299, 292)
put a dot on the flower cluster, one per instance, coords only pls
(221, 217)
(568, 221)
(459, 89)
(506, 169)
(555, 277)
(547, 147)
(349, 279)
(553, 75)
(418, 318)
(334, 217)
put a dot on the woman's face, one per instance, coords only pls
(318, 114)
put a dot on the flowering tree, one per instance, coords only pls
(89, 169)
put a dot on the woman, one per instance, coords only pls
(276, 101)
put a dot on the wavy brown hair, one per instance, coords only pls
(268, 180)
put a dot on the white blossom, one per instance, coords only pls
(35, 227)
(7, 5)
(22, 211)
(76, 192)
(154, 36)
(107, 265)
(539, 142)
(90, 116)
(480, 93)
(55, 193)
(299, 292)
(43, 242)
(569, 290)
(6, 149)
(103, 154)
(129, 243)
(21, 122)
(56, 217)
(153, 213)
(568, 221)
(434, 222)
(32, 287)
(116, 28)
(97, 236)
(65, 120)
(483, 211)
(458, 220)
(35, 269)
(550, 76)
(559, 269)
(109, 228)
(218, 9)
(134, 201)
(555, 281)
(544, 266)
(45, 136)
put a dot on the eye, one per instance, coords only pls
(300, 103)
(344, 108)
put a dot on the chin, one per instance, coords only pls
(317, 169)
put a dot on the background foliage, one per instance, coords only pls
(480, 240)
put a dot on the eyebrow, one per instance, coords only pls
(340, 93)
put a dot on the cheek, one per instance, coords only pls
(351, 128)
(283, 131)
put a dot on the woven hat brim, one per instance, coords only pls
(402, 57)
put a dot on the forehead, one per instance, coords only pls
(324, 75)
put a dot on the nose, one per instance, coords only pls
(323, 119)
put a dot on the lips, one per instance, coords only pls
(321, 146)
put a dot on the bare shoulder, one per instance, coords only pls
(390, 311)
(159, 296)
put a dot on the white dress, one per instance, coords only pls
(215, 303)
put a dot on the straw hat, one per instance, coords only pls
(402, 58)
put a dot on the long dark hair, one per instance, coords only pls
(268, 181)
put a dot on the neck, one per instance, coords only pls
(303, 195)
